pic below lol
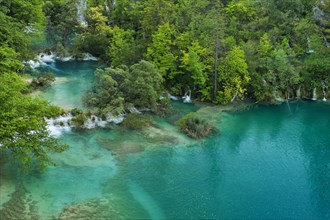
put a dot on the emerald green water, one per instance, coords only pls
(266, 163)
(74, 78)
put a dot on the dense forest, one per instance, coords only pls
(219, 51)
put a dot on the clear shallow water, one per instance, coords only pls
(74, 79)
(267, 163)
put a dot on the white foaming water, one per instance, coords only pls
(60, 125)
(314, 95)
(88, 56)
(187, 97)
(115, 119)
(33, 63)
(135, 110)
(43, 59)
(94, 121)
(172, 97)
(298, 92)
(65, 59)
(29, 29)
(46, 58)
(81, 7)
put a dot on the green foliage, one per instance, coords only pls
(136, 121)
(22, 126)
(62, 21)
(76, 111)
(192, 63)
(9, 59)
(79, 118)
(233, 76)
(194, 126)
(120, 89)
(43, 81)
(20, 21)
(95, 38)
(189, 41)
(122, 49)
(160, 50)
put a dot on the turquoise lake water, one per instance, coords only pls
(270, 162)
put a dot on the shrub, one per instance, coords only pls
(194, 126)
(43, 81)
(79, 118)
(76, 111)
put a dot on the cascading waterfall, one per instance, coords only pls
(314, 94)
(324, 98)
(107, 9)
(63, 124)
(299, 92)
(309, 48)
(81, 7)
(187, 97)
(43, 59)
(324, 86)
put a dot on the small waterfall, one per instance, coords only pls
(298, 92)
(318, 13)
(107, 9)
(324, 87)
(44, 59)
(62, 124)
(234, 97)
(81, 7)
(324, 96)
(172, 97)
(314, 94)
(187, 97)
(88, 56)
(309, 51)
(57, 126)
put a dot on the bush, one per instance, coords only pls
(76, 111)
(43, 81)
(194, 126)
(79, 118)
(136, 121)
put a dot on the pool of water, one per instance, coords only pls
(74, 78)
(271, 162)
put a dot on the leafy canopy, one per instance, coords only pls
(23, 129)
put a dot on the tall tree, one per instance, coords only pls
(160, 51)
(234, 76)
(23, 129)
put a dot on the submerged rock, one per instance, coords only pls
(93, 209)
(20, 206)
(121, 147)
